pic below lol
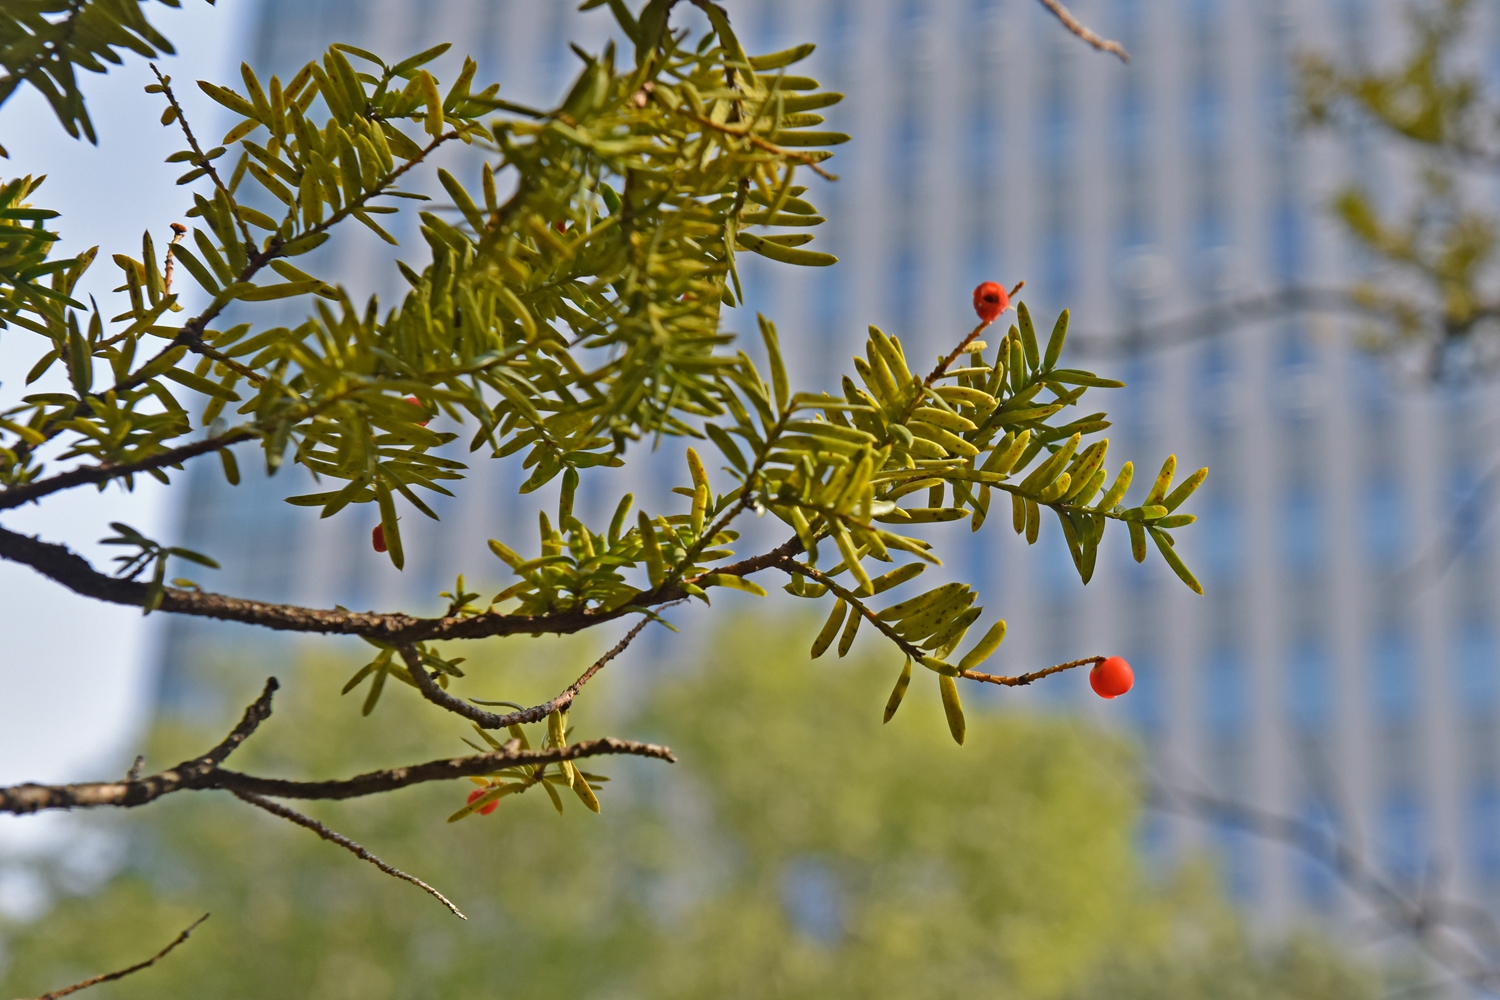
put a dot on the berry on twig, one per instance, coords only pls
(990, 300)
(487, 808)
(1111, 677)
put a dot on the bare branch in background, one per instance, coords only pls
(1452, 934)
(1218, 319)
(122, 973)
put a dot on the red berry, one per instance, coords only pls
(990, 300)
(1111, 678)
(488, 808)
(377, 538)
(414, 401)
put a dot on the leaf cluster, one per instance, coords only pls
(153, 554)
(45, 42)
(579, 314)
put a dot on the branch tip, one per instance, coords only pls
(122, 973)
(1080, 29)
(334, 837)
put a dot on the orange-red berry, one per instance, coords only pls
(414, 401)
(488, 807)
(377, 538)
(1111, 677)
(990, 300)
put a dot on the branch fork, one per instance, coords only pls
(205, 772)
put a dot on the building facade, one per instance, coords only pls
(1343, 666)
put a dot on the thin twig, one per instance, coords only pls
(89, 475)
(1021, 680)
(963, 345)
(200, 160)
(565, 699)
(122, 973)
(806, 159)
(258, 711)
(178, 232)
(1214, 319)
(489, 720)
(791, 566)
(1080, 29)
(277, 809)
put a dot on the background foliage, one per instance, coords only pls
(1007, 870)
(1428, 235)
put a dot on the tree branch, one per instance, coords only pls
(1080, 29)
(375, 782)
(258, 712)
(489, 720)
(292, 815)
(103, 473)
(1212, 320)
(1022, 680)
(66, 567)
(204, 772)
(31, 798)
(122, 973)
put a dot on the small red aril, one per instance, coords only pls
(414, 401)
(488, 807)
(377, 538)
(990, 300)
(1111, 677)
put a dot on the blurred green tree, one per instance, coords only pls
(795, 852)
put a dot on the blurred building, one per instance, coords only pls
(1343, 666)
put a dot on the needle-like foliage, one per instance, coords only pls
(568, 308)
